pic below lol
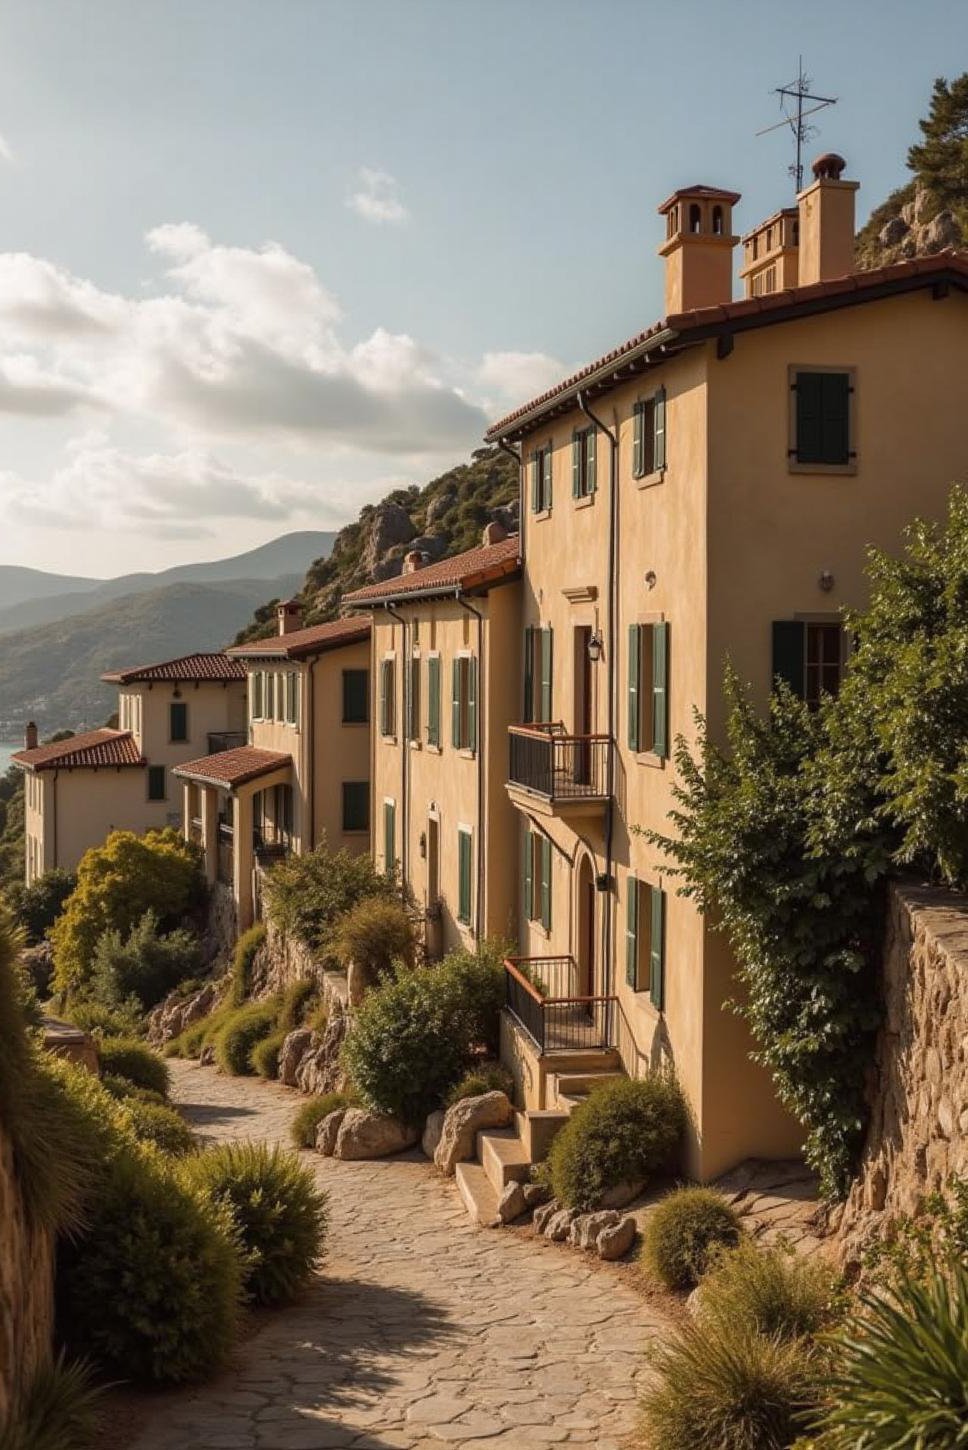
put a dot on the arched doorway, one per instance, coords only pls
(586, 938)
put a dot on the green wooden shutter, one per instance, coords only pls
(527, 873)
(657, 954)
(546, 667)
(576, 464)
(638, 440)
(455, 739)
(546, 883)
(464, 877)
(529, 674)
(472, 702)
(546, 499)
(433, 700)
(659, 430)
(634, 709)
(809, 413)
(533, 467)
(591, 461)
(389, 837)
(835, 401)
(632, 933)
(660, 690)
(789, 649)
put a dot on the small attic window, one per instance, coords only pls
(695, 218)
(717, 221)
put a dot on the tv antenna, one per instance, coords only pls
(792, 98)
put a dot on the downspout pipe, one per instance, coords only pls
(311, 751)
(611, 659)
(405, 750)
(482, 695)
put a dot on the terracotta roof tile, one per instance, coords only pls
(233, 767)
(93, 749)
(470, 570)
(299, 643)
(749, 312)
(214, 665)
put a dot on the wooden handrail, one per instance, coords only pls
(529, 987)
(542, 732)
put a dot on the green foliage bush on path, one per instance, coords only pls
(243, 961)
(625, 1131)
(683, 1232)
(128, 1058)
(774, 1290)
(312, 1112)
(163, 1126)
(264, 1057)
(487, 1077)
(240, 1032)
(145, 965)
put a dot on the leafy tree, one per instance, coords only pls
(116, 884)
(40, 904)
(145, 964)
(306, 895)
(941, 158)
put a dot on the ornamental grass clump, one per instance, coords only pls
(374, 935)
(278, 1212)
(624, 1132)
(158, 1124)
(240, 1032)
(264, 1057)
(126, 1057)
(774, 1290)
(59, 1411)
(243, 962)
(683, 1233)
(313, 1111)
(487, 1077)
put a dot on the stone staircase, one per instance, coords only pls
(508, 1154)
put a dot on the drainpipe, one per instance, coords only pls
(480, 743)
(405, 752)
(310, 776)
(612, 661)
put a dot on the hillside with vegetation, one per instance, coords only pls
(930, 212)
(444, 517)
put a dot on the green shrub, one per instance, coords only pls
(939, 1230)
(474, 985)
(720, 1388)
(375, 934)
(624, 1132)
(243, 961)
(102, 1021)
(312, 1112)
(306, 895)
(59, 1410)
(125, 1057)
(899, 1370)
(159, 1124)
(774, 1290)
(151, 1290)
(125, 1090)
(41, 903)
(144, 966)
(279, 1213)
(683, 1232)
(487, 1077)
(264, 1057)
(298, 999)
(240, 1032)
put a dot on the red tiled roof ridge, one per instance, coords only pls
(203, 665)
(724, 312)
(92, 749)
(302, 641)
(233, 767)
(483, 564)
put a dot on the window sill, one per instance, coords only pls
(585, 501)
(835, 469)
(433, 749)
(649, 758)
(361, 831)
(541, 515)
(466, 754)
(360, 724)
(415, 744)
(649, 480)
(388, 739)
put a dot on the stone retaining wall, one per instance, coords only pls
(26, 1290)
(918, 1135)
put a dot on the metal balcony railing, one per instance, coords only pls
(541, 992)
(219, 740)
(560, 767)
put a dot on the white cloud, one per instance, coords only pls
(5, 152)
(378, 197)
(514, 377)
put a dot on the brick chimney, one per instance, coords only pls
(494, 533)
(289, 615)
(826, 222)
(30, 737)
(413, 561)
(698, 248)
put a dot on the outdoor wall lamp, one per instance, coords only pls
(422, 844)
(595, 648)
(826, 580)
(650, 579)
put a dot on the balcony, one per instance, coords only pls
(220, 740)
(566, 774)
(541, 994)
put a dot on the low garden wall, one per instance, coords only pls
(918, 1134)
(26, 1289)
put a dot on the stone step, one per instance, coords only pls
(570, 1088)
(503, 1157)
(536, 1129)
(478, 1194)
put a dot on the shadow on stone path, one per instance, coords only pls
(420, 1331)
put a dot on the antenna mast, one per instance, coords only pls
(798, 91)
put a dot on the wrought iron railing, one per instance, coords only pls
(561, 767)
(219, 740)
(541, 993)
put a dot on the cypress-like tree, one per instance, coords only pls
(941, 159)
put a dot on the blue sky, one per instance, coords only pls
(260, 262)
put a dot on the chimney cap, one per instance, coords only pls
(494, 533)
(828, 167)
(708, 193)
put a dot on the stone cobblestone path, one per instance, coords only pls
(421, 1331)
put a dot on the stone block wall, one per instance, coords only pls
(26, 1290)
(918, 1134)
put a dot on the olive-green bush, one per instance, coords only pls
(239, 1033)
(683, 1232)
(312, 1112)
(773, 1289)
(279, 1213)
(124, 1089)
(59, 1411)
(298, 1000)
(126, 1057)
(145, 965)
(264, 1057)
(624, 1132)
(102, 1021)
(40, 904)
(161, 1125)
(307, 895)
(374, 935)
(243, 961)
(485, 1077)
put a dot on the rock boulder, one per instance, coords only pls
(463, 1122)
(614, 1242)
(363, 1134)
(511, 1204)
(294, 1049)
(327, 1132)
(432, 1131)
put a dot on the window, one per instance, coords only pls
(464, 703)
(413, 700)
(356, 697)
(649, 435)
(257, 694)
(388, 703)
(648, 689)
(280, 680)
(389, 837)
(541, 479)
(645, 940)
(538, 651)
(809, 657)
(536, 871)
(821, 418)
(433, 700)
(584, 469)
(292, 698)
(157, 790)
(465, 858)
(178, 723)
(356, 805)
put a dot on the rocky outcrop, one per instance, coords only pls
(327, 1134)
(175, 1013)
(320, 1069)
(26, 1290)
(363, 1134)
(606, 1232)
(918, 227)
(389, 525)
(463, 1122)
(296, 1046)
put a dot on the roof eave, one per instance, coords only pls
(474, 583)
